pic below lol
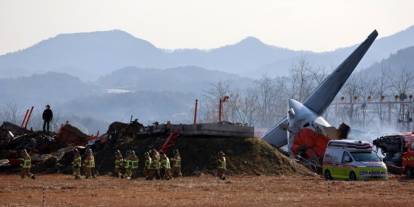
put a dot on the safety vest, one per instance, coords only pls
(148, 163)
(127, 163)
(77, 161)
(165, 163)
(118, 163)
(134, 164)
(27, 163)
(155, 164)
(90, 162)
(222, 163)
(177, 162)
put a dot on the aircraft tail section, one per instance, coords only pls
(323, 96)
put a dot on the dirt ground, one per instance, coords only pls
(63, 190)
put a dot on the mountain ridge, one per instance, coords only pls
(93, 54)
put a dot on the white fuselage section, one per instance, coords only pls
(299, 116)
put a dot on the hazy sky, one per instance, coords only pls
(298, 24)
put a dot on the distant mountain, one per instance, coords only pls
(241, 58)
(150, 94)
(86, 55)
(41, 89)
(380, 49)
(91, 55)
(399, 61)
(186, 79)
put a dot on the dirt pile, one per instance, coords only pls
(250, 156)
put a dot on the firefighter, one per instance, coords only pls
(26, 165)
(47, 118)
(128, 165)
(165, 167)
(77, 164)
(147, 165)
(154, 170)
(176, 164)
(157, 164)
(119, 163)
(221, 165)
(134, 164)
(89, 164)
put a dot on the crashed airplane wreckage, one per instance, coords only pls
(304, 130)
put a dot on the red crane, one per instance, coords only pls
(170, 141)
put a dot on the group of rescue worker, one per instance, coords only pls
(156, 165)
(126, 167)
(88, 164)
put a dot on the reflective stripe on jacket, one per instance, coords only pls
(148, 163)
(118, 163)
(155, 164)
(77, 162)
(90, 162)
(134, 164)
(165, 163)
(127, 164)
(176, 162)
(27, 163)
(222, 163)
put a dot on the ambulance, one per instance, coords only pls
(352, 160)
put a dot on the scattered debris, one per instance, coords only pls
(46, 149)
(54, 152)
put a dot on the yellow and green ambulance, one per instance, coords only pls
(352, 160)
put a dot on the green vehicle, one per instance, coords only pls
(352, 160)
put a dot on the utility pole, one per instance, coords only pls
(221, 102)
(195, 112)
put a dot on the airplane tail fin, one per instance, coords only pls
(326, 92)
(323, 96)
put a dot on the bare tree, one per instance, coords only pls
(301, 80)
(211, 101)
(381, 86)
(266, 96)
(402, 82)
(352, 90)
(244, 107)
(10, 113)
